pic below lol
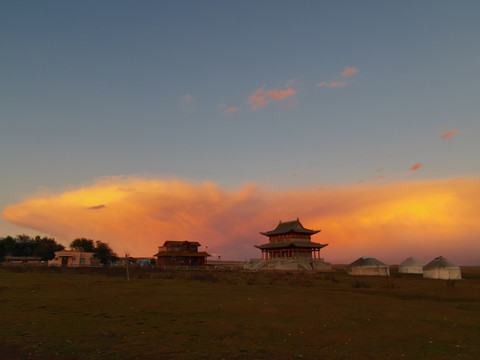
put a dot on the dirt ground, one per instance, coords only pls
(185, 314)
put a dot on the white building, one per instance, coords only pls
(367, 265)
(441, 268)
(411, 265)
(73, 258)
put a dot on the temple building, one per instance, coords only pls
(180, 253)
(290, 240)
(289, 248)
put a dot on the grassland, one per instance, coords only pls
(96, 314)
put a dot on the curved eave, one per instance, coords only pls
(306, 231)
(291, 245)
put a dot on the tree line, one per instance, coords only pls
(45, 247)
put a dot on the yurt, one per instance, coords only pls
(441, 268)
(411, 265)
(367, 265)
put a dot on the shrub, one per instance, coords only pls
(360, 284)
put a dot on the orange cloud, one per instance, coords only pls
(349, 71)
(260, 97)
(449, 134)
(277, 95)
(231, 110)
(389, 221)
(337, 84)
(416, 166)
(257, 99)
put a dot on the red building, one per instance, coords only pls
(180, 253)
(290, 240)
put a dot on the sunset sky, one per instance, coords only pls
(140, 122)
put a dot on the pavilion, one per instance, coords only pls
(289, 248)
(292, 241)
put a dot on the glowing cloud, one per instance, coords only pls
(388, 221)
(231, 110)
(345, 74)
(349, 71)
(416, 166)
(277, 95)
(337, 84)
(257, 99)
(449, 134)
(260, 97)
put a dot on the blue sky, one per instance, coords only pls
(120, 88)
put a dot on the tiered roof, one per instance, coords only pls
(290, 227)
(286, 227)
(292, 243)
(172, 242)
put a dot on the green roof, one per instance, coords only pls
(286, 227)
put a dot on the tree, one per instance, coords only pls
(104, 252)
(45, 248)
(7, 246)
(24, 245)
(82, 244)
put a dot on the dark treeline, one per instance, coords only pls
(45, 247)
(24, 245)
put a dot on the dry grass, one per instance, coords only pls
(96, 314)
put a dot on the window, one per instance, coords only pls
(82, 260)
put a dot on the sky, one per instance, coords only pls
(140, 122)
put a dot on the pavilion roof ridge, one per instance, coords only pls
(294, 226)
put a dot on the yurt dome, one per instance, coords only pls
(368, 265)
(411, 265)
(441, 268)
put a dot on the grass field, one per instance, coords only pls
(96, 314)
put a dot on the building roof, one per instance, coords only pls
(440, 263)
(71, 253)
(290, 226)
(412, 261)
(292, 243)
(181, 254)
(366, 261)
(171, 242)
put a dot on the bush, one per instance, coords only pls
(360, 284)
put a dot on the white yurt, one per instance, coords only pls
(411, 265)
(441, 268)
(368, 265)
